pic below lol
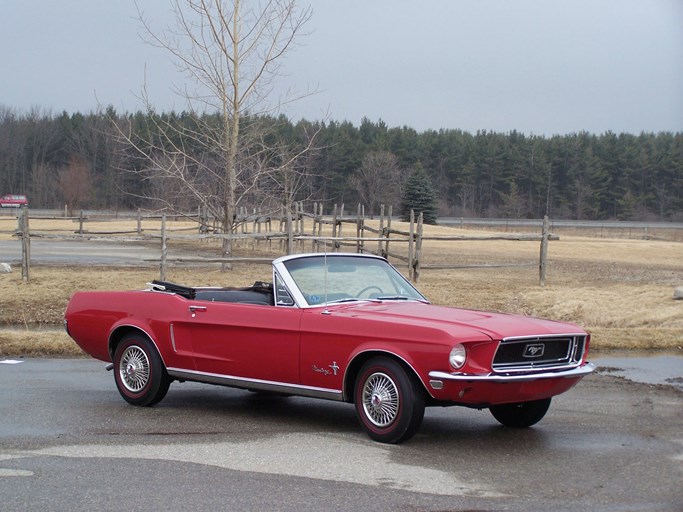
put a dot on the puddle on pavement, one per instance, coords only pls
(639, 366)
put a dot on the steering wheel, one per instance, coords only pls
(368, 288)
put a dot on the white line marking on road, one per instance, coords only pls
(14, 472)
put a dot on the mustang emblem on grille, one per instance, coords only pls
(534, 350)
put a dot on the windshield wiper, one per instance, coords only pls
(376, 299)
(353, 299)
(345, 299)
(400, 297)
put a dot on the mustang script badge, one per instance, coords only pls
(325, 371)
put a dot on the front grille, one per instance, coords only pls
(539, 352)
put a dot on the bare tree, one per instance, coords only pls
(231, 52)
(465, 199)
(75, 184)
(289, 176)
(44, 182)
(379, 179)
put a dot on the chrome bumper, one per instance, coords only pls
(581, 371)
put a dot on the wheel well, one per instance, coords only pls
(120, 333)
(361, 359)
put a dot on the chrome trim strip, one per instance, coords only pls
(571, 360)
(294, 292)
(173, 339)
(299, 299)
(542, 336)
(257, 384)
(582, 371)
(552, 366)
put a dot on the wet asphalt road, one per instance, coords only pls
(69, 442)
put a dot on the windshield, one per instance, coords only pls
(327, 279)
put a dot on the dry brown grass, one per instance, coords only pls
(620, 290)
(38, 344)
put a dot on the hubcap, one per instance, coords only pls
(380, 399)
(134, 369)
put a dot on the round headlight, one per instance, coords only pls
(458, 356)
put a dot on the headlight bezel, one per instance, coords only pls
(457, 356)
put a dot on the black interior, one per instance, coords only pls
(258, 293)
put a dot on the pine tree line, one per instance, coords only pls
(79, 160)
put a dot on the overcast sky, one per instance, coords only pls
(537, 66)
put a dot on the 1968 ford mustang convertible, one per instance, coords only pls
(345, 327)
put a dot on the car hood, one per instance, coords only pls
(455, 321)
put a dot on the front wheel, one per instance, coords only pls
(139, 372)
(389, 403)
(521, 415)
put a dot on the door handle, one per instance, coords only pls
(194, 309)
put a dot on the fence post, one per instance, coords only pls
(380, 231)
(418, 247)
(340, 231)
(282, 243)
(259, 226)
(302, 226)
(362, 229)
(320, 227)
(334, 228)
(254, 241)
(314, 243)
(164, 249)
(542, 266)
(388, 230)
(203, 214)
(80, 223)
(25, 244)
(290, 233)
(139, 223)
(411, 247)
(359, 245)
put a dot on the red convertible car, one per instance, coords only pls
(344, 327)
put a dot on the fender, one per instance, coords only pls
(119, 328)
(365, 352)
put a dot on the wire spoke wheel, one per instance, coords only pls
(134, 369)
(389, 401)
(140, 375)
(380, 399)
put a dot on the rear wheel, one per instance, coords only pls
(389, 402)
(138, 371)
(521, 415)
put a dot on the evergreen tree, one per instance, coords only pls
(419, 196)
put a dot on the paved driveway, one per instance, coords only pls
(69, 442)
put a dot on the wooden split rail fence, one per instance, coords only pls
(335, 232)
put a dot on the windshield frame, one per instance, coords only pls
(323, 262)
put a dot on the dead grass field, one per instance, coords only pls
(620, 290)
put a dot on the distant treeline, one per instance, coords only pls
(79, 160)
